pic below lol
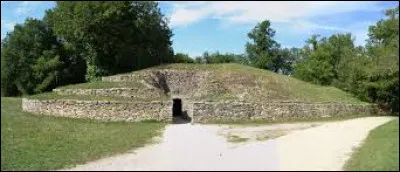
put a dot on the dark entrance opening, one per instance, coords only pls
(177, 108)
(179, 116)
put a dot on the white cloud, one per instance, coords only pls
(187, 13)
(8, 25)
(26, 7)
(306, 27)
(250, 12)
(360, 31)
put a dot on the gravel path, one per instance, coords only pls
(200, 147)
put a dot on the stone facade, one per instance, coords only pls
(183, 83)
(232, 111)
(199, 112)
(119, 92)
(199, 92)
(102, 110)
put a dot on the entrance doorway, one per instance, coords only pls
(179, 116)
(177, 108)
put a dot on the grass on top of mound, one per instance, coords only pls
(262, 85)
(36, 142)
(270, 86)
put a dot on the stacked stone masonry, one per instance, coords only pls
(200, 112)
(102, 110)
(185, 83)
(233, 111)
(118, 92)
(190, 86)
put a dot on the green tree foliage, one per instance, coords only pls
(241, 59)
(218, 57)
(264, 52)
(198, 59)
(182, 58)
(382, 73)
(222, 58)
(113, 37)
(33, 60)
(313, 41)
(263, 47)
(371, 73)
(206, 57)
(325, 58)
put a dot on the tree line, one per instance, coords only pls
(82, 41)
(369, 72)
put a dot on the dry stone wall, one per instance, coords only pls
(118, 92)
(185, 83)
(181, 82)
(233, 111)
(199, 112)
(194, 87)
(126, 77)
(101, 110)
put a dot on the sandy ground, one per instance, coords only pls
(204, 147)
(261, 132)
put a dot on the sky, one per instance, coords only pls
(200, 26)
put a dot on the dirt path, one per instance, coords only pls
(203, 147)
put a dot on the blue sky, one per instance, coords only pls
(223, 26)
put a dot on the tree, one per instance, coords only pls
(264, 52)
(371, 73)
(289, 58)
(198, 60)
(113, 37)
(385, 31)
(314, 71)
(381, 83)
(206, 57)
(182, 58)
(32, 59)
(241, 59)
(222, 58)
(329, 53)
(313, 41)
(217, 57)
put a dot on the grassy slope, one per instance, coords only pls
(275, 87)
(379, 152)
(279, 87)
(34, 142)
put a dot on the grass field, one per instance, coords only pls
(268, 85)
(35, 142)
(279, 87)
(379, 152)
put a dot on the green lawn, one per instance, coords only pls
(35, 142)
(379, 152)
